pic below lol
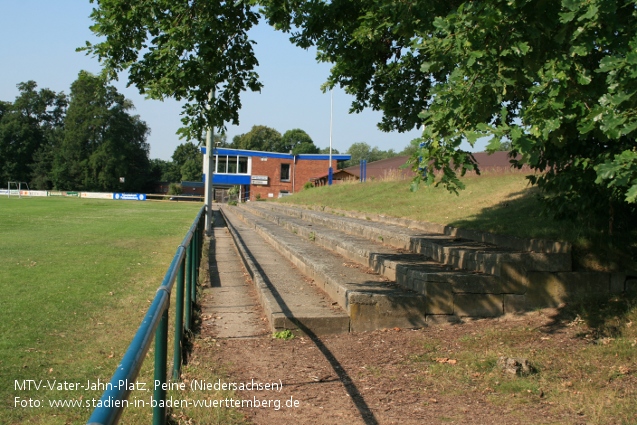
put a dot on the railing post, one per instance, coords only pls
(179, 321)
(193, 273)
(188, 291)
(159, 394)
(199, 251)
(183, 269)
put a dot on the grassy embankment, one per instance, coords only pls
(76, 278)
(500, 203)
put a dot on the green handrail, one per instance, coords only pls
(184, 266)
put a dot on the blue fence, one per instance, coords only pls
(183, 270)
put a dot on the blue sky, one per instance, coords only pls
(39, 38)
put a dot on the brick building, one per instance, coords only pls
(266, 174)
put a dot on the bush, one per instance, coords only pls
(308, 185)
(175, 189)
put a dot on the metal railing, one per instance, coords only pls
(184, 269)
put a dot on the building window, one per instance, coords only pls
(285, 172)
(243, 165)
(232, 164)
(222, 165)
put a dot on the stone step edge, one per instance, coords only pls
(362, 306)
(461, 258)
(510, 242)
(277, 319)
(521, 291)
(391, 269)
(448, 306)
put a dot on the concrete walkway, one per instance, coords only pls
(288, 297)
(230, 308)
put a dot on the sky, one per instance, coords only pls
(39, 38)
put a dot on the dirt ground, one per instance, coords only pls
(385, 376)
(443, 373)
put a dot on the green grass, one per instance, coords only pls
(501, 203)
(76, 278)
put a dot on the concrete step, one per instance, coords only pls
(394, 263)
(371, 301)
(288, 300)
(447, 290)
(448, 250)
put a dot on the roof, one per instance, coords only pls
(341, 173)
(192, 184)
(384, 167)
(304, 156)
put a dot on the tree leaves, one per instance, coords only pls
(555, 79)
(181, 49)
(101, 142)
(620, 173)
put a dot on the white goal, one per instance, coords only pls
(19, 187)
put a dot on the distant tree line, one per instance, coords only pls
(87, 140)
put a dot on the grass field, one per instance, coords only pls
(501, 203)
(76, 277)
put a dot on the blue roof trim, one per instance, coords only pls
(243, 152)
(326, 157)
(231, 179)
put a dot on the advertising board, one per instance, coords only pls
(96, 195)
(129, 196)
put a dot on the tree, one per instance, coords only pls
(188, 160)
(327, 151)
(197, 51)
(362, 151)
(555, 79)
(551, 79)
(259, 138)
(30, 129)
(164, 171)
(102, 141)
(298, 142)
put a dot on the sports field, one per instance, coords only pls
(76, 277)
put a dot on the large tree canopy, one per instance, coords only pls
(188, 160)
(102, 140)
(557, 79)
(183, 49)
(30, 128)
(259, 138)
(298, 142)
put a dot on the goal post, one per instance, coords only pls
(18, 189)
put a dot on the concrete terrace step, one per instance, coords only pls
(287, 299)
(448, 291)
(445, 249)
(371, 301)
(394, 263)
